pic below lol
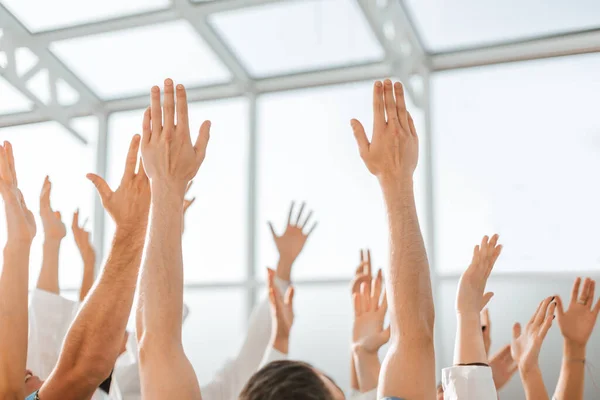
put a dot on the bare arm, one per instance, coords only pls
(54, 233)
(94, 340)
(14, 280)
(171, 162)
(82, 239)
(576, 325)
(409, 367)
(526, 346)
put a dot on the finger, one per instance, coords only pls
(411, 124)
(5, 172)
(141, 174)
(585, 292)
(306, 220)
(401, 106)
(289, 296)
(300, 213)
(312, 229)
(168, 109)
(357, 282)
(182, 107)
(486, 298)
(45, 195)
(390, 103)
(202, 140)
(146, 126)
(537, 310)
(592, 294)
(155, 113)
(357, 304)
(541, 315)
(361, 137)
(369, 266)
(378, 105)
(75, 222)
(575, 290)
(484, 247)
(516, 330)
(189, 203)
(272, 230)
(10, 155)
(559, 307)
(496, 253)
(596, 309)
(384, 336)
(101, 186)
(289, 221)
(547, 323)
(364, 299)
(476, 256)
(384, 304)
(376, 292)
(132, 157)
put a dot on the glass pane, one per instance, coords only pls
(516, 147)
(515, 300)
(224, 312)
(45, 15)
(94, 59)
(214, 243)
(12, 100)
(446, 26)
(307, 152)
(297, 36)
(47, 149)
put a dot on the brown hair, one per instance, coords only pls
(286, 380)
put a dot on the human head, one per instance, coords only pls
(32, 383)
(290, 380)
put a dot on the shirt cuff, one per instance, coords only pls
(468, 383)
(272, 355)
(370, 395)
(282, 285)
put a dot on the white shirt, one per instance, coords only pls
(468, 383)
(370, 395)
(50, 317)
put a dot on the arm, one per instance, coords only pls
(526, 346)
(14, 280)
(470, 300)
(362, 274)
(409, 367)
(368, 333)
(82, 240)
(94, 340)
(171, 162)
(576, 325)
(54, 232)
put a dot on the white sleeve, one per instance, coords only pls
(271, 355)
(231, 379)
(356, 395)
(468, 383)
(50, 317)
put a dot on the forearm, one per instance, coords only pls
(408, 283)
(160, 303)
(48, 279)
(353, 376)
(96, 335)
(572, 373)
(469, 347)
(367, 366)
(534, 384)
(284, 269)
(88, 279)
(13, 317)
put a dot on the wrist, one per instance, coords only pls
(528, 370)
(396, 182)
(362, 353)
(52, 241)
(574, 351)
(18, 243)
(168, 188)
(284, 269)
(281, 343)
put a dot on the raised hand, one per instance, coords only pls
(82, 239)
(368, 333)
(20, 221)
(486, 329)
(282, 311)
(292, 241)
(503, 366)
(526, 345)
(362, 273)
(170, 158)
(51, 220)
(470, 296)
(394, 148)
(577, 322)
(129, 204)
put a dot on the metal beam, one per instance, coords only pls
(196, 11)
(396, 34)
(550, 46)
(16, 36)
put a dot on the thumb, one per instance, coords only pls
(486, 299)
(384, 336)
(360, 136)
(202, 139)
(516, 330)
(101, 186)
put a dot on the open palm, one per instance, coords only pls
(292, 241)
(577, 322)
